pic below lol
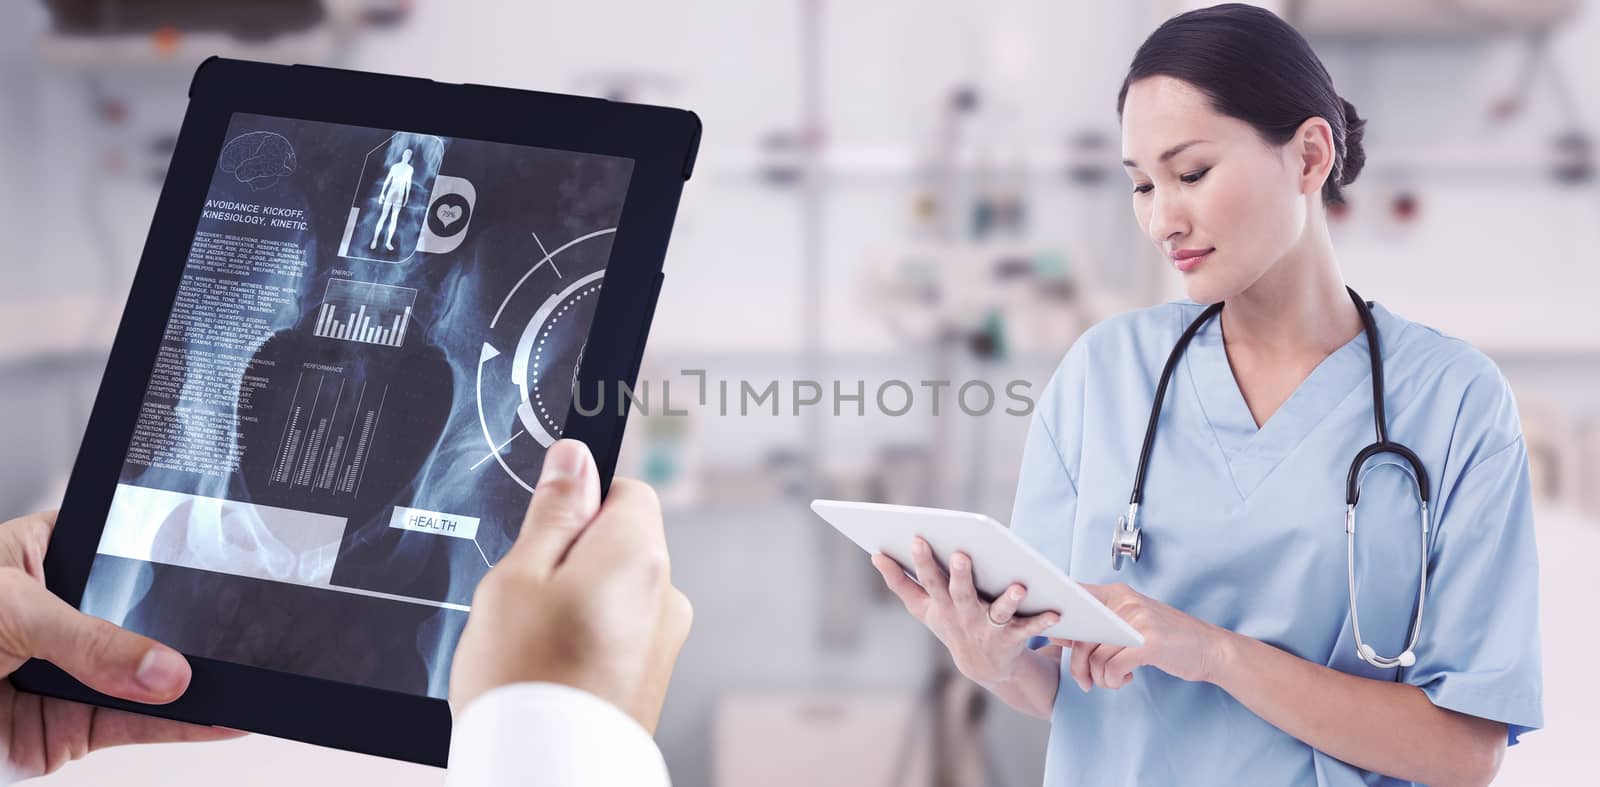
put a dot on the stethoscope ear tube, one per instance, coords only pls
(1161, 394)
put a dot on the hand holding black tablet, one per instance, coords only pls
(39, 734)
(367, 306)
(595, 580)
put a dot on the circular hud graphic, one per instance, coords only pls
(528, 370)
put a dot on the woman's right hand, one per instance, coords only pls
(987, 641)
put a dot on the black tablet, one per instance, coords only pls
(366, 307)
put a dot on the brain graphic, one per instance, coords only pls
(258, 158)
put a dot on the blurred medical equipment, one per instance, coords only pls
(1550, 463)
(1363, 26)
(623, 84)
(130, 58)
(1588, 439)
(127, 53)
(1414, 19)
(801, 740)
(1127, 538)
(969, 289)
(177, 34)
(775, 474)
(983, 299)
(47, 396)
(662, 450)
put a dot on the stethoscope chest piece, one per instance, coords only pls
(1127, 540)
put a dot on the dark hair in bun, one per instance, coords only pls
(1257, 68)
(1355, 155)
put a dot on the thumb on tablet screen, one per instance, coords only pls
(565, 499)
(34, 623)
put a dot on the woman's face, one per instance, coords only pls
(1219, 202)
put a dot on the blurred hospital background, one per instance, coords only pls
(893, 189)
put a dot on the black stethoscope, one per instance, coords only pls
(1128, 538)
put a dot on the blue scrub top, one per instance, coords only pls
(1244, 528)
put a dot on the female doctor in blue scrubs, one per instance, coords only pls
(1235, 144)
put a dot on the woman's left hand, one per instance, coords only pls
(1174, 642)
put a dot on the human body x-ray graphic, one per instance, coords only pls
(392, 198)
(394, 195)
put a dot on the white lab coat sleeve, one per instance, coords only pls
(550, 735)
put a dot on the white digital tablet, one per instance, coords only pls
(999, 558)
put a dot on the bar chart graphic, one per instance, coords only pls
(360, 311)
(326, 443)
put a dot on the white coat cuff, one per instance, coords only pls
(550, 734)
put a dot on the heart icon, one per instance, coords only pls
(448, 214)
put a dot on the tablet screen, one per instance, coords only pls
(375, 338)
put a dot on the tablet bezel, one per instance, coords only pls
(662, 142)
